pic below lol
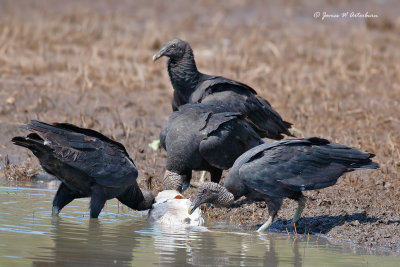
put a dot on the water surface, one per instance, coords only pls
(121, 237)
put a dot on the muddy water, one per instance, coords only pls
(120, 237)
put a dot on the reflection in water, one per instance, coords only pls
(270, 256)
(29, 235)
(297, 257)
(173, 245)
(194, 245)
(93, 244)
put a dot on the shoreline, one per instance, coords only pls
(335, 229)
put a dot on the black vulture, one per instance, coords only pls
(203, 137)
(87, 163)
(192, 86)
(283, 169)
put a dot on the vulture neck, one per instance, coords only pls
(225, 198)
(184, 75)
(136, 199)
(172, 181)
(147, 201)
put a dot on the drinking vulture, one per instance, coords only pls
(283, 169)
(87, 163)
(203, 137)
(192, 86)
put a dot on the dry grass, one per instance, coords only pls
(17, 173)
(89, 63)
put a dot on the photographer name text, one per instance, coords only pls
(353, 15)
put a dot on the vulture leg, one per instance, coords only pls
(301, 202)
(215, 177)
(199, 183)
(202, 177)
(185, 185)
(186, 181)
(97, 201)
(273, 206)
(62, 198)
(271, 219)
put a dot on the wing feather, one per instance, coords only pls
(297, 165)
(89, 152)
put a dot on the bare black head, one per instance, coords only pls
(212, 193)
(147, 202)
(174, 49)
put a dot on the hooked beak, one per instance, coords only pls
(159, 54)
(195, 204)
(191, 209)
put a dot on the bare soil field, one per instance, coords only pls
(89, 63)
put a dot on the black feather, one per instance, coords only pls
(283, 169)
(88, 164)
(191, 86)
(206, 137)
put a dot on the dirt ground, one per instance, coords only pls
(89, 63)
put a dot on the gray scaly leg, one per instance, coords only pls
(301, 205)
(202, 177)
(271, 219)
(273, 204)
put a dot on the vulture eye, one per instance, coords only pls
(204, 191)
(173, 45)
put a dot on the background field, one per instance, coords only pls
(89, 63)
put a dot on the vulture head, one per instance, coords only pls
(174, 49)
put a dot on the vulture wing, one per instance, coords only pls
(227, 136)
(300, 164)
(241, 98)
(89, 152)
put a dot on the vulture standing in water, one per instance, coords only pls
(87, 163)
(283, 169)
(203, 137)
(191, 86)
